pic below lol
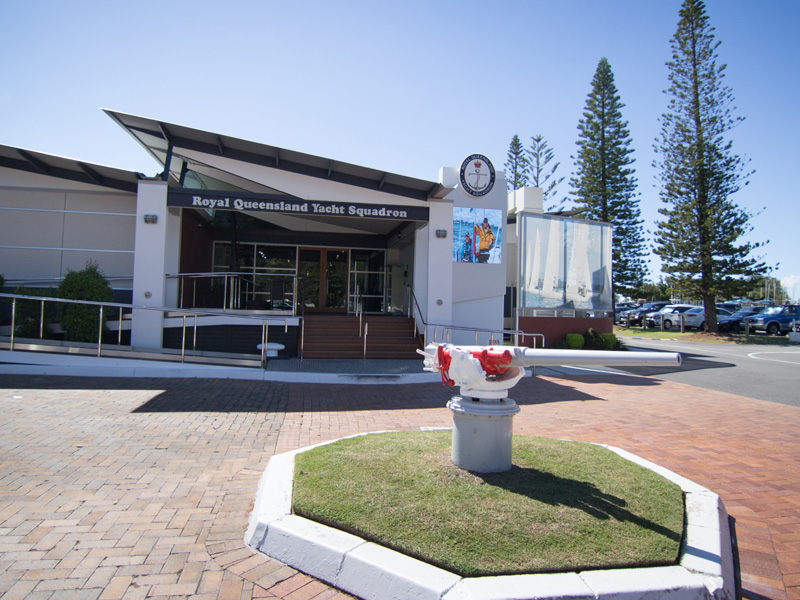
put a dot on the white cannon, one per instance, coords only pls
(483, 413)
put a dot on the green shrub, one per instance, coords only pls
(575, 341)
(561, 344)
(82, 322)
(611, 341)
(28, 313)
(593, 340)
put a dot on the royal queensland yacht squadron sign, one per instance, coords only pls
(277, 203)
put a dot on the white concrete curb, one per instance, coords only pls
(372, 572)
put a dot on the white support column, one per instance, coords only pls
(173, 255)
(439, 296)
(151, 260)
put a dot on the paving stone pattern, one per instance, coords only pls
(142, 488)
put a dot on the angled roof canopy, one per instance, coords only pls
(68, 168)
(160, 138)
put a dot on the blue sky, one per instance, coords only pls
(404, 87)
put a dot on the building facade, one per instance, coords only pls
(250, 228)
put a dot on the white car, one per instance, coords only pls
(696, 317)
(670, 313)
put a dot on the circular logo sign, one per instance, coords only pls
(477, 175)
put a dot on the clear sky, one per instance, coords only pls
(405, 87)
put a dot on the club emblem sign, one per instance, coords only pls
(477, 175)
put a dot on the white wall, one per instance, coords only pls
(439, 296)
(420, 278)
(49, 226)
(156, 252)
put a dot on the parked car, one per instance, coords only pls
(621, 307)
(776, 319)
(670, 313)
(735, 323)
(636, 315)
(731, 306)
(696, 317)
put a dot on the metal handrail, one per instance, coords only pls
(417, 313)
(359, 309)
(232, 292)
(362, 326)
(300, 293)
(448, 329)
(564, 312)
(45, 280)
(517, 333)
(128, 308)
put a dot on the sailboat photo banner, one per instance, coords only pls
(477, 235)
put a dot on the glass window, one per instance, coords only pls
(276, 257)
(367, 260)
(245, 254)
(368, 278)
(222, 256)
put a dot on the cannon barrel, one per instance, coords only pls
(531, 357)
(516, 356)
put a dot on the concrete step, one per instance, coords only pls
(337, 336)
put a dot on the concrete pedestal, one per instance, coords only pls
(482, 433)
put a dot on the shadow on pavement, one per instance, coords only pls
(232, 395)
(170, 395)
(689, 362)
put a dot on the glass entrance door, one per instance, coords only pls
(324, 273)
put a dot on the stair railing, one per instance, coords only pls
(359, 308)
(447, 330)
(363, 328)
(415, 313)
(300, 293)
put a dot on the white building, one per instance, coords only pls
(246, 227)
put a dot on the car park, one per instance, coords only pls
(636, 315)
(776, 320)
(670, 315)
(735, 322)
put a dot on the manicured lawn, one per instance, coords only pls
(690, 335)
(563, 506)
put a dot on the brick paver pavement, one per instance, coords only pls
(142, 488)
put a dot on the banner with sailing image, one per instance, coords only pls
(566, 263)
(477, 235)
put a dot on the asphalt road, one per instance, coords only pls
(769, 373)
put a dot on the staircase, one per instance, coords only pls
(336, 336)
